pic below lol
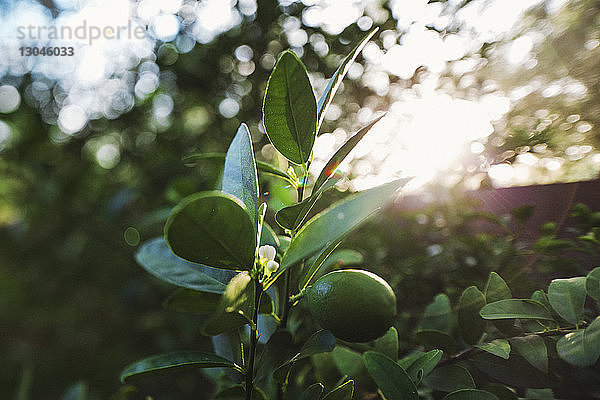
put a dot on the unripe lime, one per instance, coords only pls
(355, 305)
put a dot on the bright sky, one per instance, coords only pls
(426, 131)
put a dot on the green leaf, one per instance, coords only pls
(592, 284)
(235, 307)
(567, 297)
(239, 172)
(392, 380)
(332, 224)
(470, 322)
(274, 354)
(422, 366)
(342, 392)
(582, 347)
(261, 166)
(319, 342)
(290, 109)
(156, 257)
(513, 372)
(348, 362)
(523, 213)
(268, 236)
(331, 166)
(501, 391)
(338, 76)
(515, 308)
(533, 349)
(238, 392)
(212, 228)
(77, 391)
(313, 392)
(191, 301)
(434, 339)
(437, 315)
(327, 260)
(388, 344)
(497, 347)
(292, 217)
(449, 379)
(470, 394)
(176, 359)
(496, 289)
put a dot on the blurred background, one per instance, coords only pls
(480, 95)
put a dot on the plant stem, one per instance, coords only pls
(253, 339)
(286, 298)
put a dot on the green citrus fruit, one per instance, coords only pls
(355, 305)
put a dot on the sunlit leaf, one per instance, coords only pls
(423, 365)
(392, 380)
(290, 109)
(176, 359)
(592, 284)
(338, 76)
(313, 392)
(497, 347)
(496, 289)
(342, 392)
(582, 347)
(515, 308)
(533, 349)
(239, 172)
(567, 297)
(470, 322)
(214, 229)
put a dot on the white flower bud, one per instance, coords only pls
(271, 267)
(267, 252)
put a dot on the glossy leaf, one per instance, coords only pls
(319, 342)
(313, 392)
(470, 394)
(290, 109)
(434, 339)
(331, 166)
(496, 289)
(422, 366)
(450, 378)
(497, 347)
(261, 166)
(343, 392)
(331, 225)
(469, 321)
(228, 345)
(338, 76)
(239, 173)
(582, 347)
(515, 308)
(438, 314)
(533, 349)
(392, 380)
(156, 257)
(567, 297)
(212, 228)
(592, 284)
(176, 359)
(268, 236)
(513, 372)
(388, 344)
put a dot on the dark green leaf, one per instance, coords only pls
(239, 172)
(274, 354)
(582, 347)
(438, 314)
(388, 344)
(212, 228)
(515, 308)
(533, 349)
(470, 322)
(392, 380)
(327, 260)
(319, 342)
(331, 166)
(338, 76)
(313, 392)
(268, 236)
(523, 213)
(567, 297)
(290, 109)
(348, 362)
(175, 359)
(422, 366)
(449, 379)
(513, 372)
(77, 391)
(496, 289)
(238, 392)
(191, 301)
(331, 225)
(156, 258)
(501, 391)
(228, 345)
(592, 284)
(434, 339)
(342, 392)
(470, 394)
(497, 347)
(261, 166)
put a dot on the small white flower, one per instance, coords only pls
(271, 267)
(267, 252)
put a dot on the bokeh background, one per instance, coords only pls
(480, 94)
